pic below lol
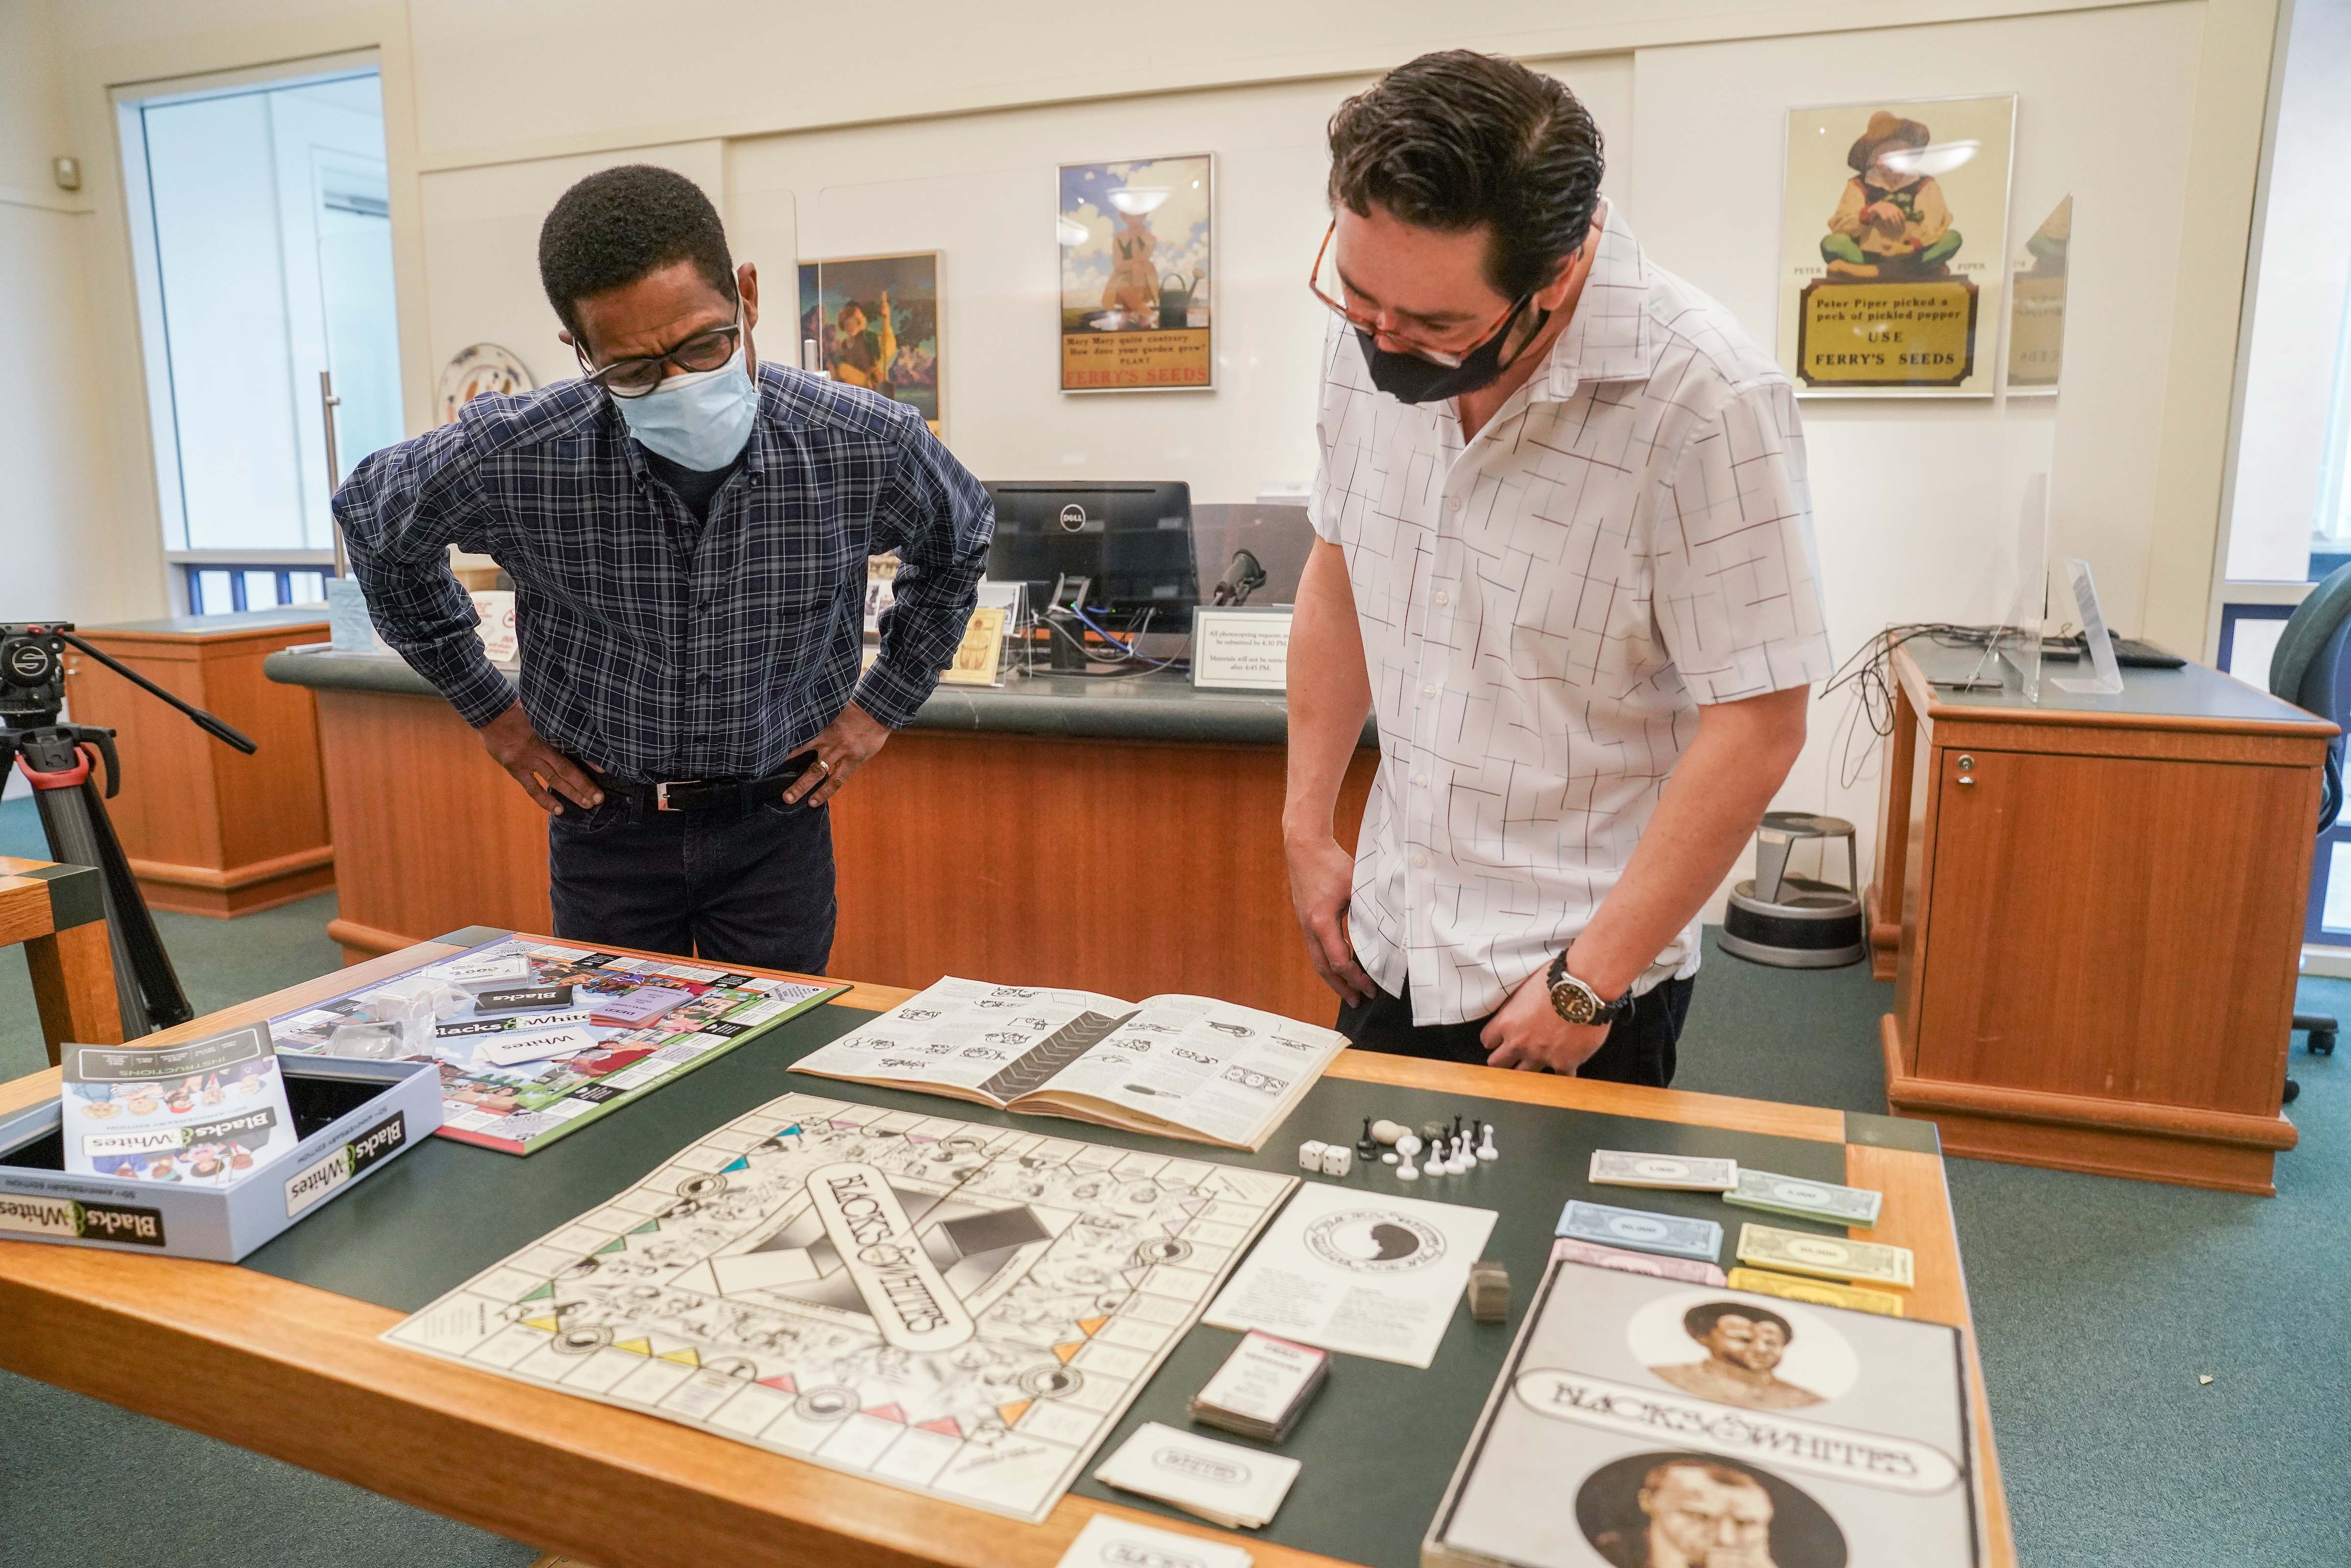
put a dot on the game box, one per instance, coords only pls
(352, 1116)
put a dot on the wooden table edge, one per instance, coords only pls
(301, 1374)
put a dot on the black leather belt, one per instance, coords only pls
(702, 794)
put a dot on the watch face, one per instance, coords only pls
(1573, 1002)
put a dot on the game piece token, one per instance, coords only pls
(1490, 1292)
(1486, 1150)
(1366, 1146)
(1310, 1154)
(1388, 1157)
(1338, 1159)
(1432, 1133)
(1407, 1171)
(1386, 1132)
(1408, 1146)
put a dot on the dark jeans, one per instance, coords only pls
(729, 885)
(1638, 1049)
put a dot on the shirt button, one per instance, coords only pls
(1420, 781)
(1443, 597)
(1452, 503)
(1428, 691)
(1420, 862)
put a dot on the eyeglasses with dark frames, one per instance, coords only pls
(634, 378)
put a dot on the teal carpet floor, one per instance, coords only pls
(2100, 1305)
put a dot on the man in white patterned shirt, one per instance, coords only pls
(1565, 550)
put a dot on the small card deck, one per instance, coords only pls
(1262, 1388)
(1224, 1483)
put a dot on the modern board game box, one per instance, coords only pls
(1642, 1421)
(351, 1118)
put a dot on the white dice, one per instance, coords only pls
(1311, 1153)
(1338, 1159)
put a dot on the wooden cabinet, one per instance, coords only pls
(209, 831)
(2095, 907)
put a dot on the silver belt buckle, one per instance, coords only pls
(661, 794)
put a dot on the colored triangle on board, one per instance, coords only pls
(614, 1245)
(888, 1413)
(791, 1131)
(1091, 1327)
(542, 1293)
(1010, 1413)
(647, 1228)
(1063, 1352)
(783, 1384)
(635, 1346)
(741, 1165)
(684, 1356)
(945, 1425)
(546, 1324)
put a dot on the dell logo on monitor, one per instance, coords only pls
(1073, 517)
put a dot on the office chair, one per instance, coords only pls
(2307, 671)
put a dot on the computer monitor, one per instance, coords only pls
(1134, 540)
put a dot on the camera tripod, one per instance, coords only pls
(57, 759)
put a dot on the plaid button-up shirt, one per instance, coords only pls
(651, 648)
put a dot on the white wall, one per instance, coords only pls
(2298, 304)
(1915, 500)
(55, 524)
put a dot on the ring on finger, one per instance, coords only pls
(820, 762)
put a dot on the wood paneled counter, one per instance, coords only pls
(209, 831)
(1123, 835)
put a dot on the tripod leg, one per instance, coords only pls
(145, 984)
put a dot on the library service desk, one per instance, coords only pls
(1122, 835)
(2092, 910)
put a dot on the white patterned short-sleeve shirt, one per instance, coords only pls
(1543, 613)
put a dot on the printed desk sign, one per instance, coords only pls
(1240, 650)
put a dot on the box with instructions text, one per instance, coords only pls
(352, 1116)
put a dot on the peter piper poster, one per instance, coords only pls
(1137, 264)
(1894, 235)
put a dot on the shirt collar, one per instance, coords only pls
(1610, 338)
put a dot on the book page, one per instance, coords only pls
(997, 1042)
(1226, 1071)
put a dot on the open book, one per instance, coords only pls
(1179, 1067)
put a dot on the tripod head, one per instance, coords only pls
(33, 695)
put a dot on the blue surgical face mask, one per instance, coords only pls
(701, 420)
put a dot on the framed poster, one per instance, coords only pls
(2036, 306)
(1894, 240)
(875, 320)
(1137, 259)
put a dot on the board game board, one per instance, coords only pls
(522, 1106)
(959, 1310)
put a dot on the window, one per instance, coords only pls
(262, 243)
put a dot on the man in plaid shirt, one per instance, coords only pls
(686, 530)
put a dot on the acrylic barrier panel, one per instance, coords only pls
(1016, 292)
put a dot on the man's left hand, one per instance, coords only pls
(1528, 1034)
(847, 744)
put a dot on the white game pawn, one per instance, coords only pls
(1407, 1170)
(1408, 1146)
(1435, 1165)
(1460, 1161)
(1486, 1150)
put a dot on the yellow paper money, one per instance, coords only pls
(1826, 1256)
(1819, 1292)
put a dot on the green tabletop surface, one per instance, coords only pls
(1379, 1443)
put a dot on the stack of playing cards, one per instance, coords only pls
(1109, 1541)
(1262, 1388)
(1224, 1483)
(638, 1008)
(1801, 1199)
(1674, 1173)
(1490, 1292)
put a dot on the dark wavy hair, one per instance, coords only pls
(1457, 140)
(615, 226)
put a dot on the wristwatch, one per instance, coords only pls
(1579, 1003)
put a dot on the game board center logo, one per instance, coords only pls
(1374, 1241)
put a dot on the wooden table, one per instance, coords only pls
(299, 1374)
(209, 831)
(2092, 910)
(58, 913)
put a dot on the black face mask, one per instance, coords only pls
(1408, 378)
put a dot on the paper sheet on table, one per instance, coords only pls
(1358, 1271)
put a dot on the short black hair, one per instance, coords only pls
(615, 226)
(1458, 139)
(1699, 1321)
